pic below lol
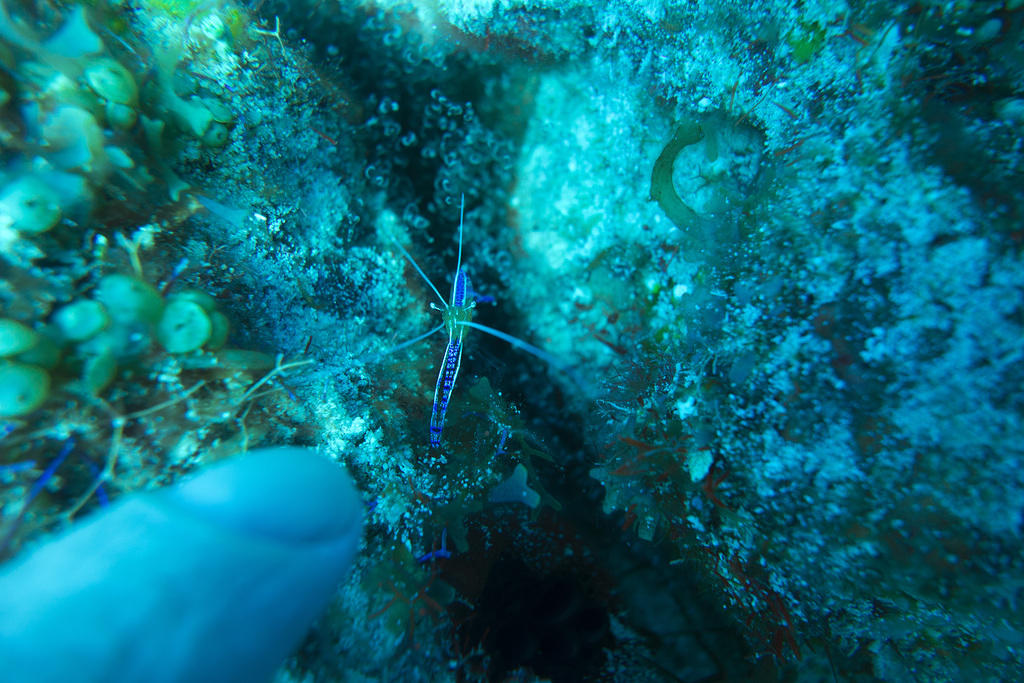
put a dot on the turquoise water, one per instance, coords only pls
(739, 395)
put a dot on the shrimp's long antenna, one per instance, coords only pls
(419, 270)
(529, 348)
(408, 343)
(458, 265)
(516, 342)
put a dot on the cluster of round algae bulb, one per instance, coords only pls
(27, 205)
(98, 371)
(23, 388)
(128, 299)
(184, 327)
(15, 338)
(217, 133)
(81, 320)
(191, 321)
(116, 87)
(219, 326)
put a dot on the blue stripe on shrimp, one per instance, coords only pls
(443, 390)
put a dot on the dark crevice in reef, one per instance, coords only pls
(432, 124)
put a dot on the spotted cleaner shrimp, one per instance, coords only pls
(456, 317)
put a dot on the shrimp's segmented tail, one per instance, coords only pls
(443, 390)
